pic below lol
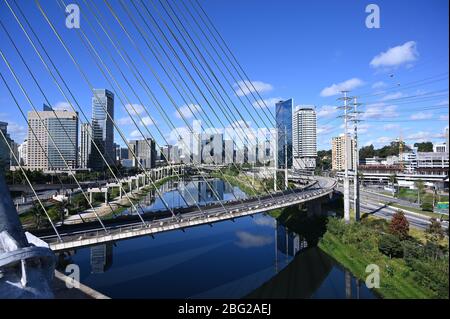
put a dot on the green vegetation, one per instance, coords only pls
(385, 151)
(424, 146)
(413, 263)
(323, 161)
(408, 267)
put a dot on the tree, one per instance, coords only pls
(426, 206)
(393, 181)
(367, 152)
(424, 147)
(434, 232)
(399, 225)
(390, 245)
(361, 178)
(419, 184)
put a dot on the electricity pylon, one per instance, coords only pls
(355, 119)
(346, 117)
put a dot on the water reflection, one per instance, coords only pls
(254, 257)
(188, 193)
(101, 258)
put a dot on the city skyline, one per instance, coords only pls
(391, 60)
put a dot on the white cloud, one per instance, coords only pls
(187, 111)
(380, 110)
(327, 111)
(125, 121)
(392, 96)
(442, 103)
(424, 136)
(336, 89)
(324, 129)
(147, 121)
(444, 117)
(379, 85)
(18, 132)
(248, 240)
(62, 106)
(270, 102)
(243, 88)
(176, 133)
(421, 116)
(139, 120)
(136, 134)
(135, 108)
(396, 56)
(363, 128)
(391, 126)
(384, 140)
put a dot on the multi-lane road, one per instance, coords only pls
(374, 203)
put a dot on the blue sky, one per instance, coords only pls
(307, 50)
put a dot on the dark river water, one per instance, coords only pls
(251, 257)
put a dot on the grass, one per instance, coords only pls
(243, 182)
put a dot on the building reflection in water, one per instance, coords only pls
(287, 243)
(189, 193)
(101, 258)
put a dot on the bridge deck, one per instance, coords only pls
(95, 236)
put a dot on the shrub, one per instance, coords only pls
(336, 226)
(399, 225)
(390, 245)
(434, 232)
(411, 250)
(427, 206)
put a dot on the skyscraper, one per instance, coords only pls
(283, 118)
(5, 151)
(304, 138)
(145, 151)
(102, 128)
(48, 154)
(229, 151)
(85, 145)
(212, 148)
(338, 152)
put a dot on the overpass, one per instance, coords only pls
(91, 234)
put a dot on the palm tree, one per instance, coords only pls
(420, 188)
(393, 181)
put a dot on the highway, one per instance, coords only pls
(372, 203)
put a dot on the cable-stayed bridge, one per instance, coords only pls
(75, 236)
(167, 71)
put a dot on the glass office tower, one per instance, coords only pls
(102, 128)
(283, 118)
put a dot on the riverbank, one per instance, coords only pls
(249, 186)
(419, 271)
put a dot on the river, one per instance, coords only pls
(253, 257)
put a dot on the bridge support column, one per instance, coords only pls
(90, 198)
(106, 196)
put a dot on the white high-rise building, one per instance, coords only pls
(304, 138)
(23, 152)
(229, 151)
(338, 151)
(85, 145)
(143, 153)
(212, 149)
(62, 125)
